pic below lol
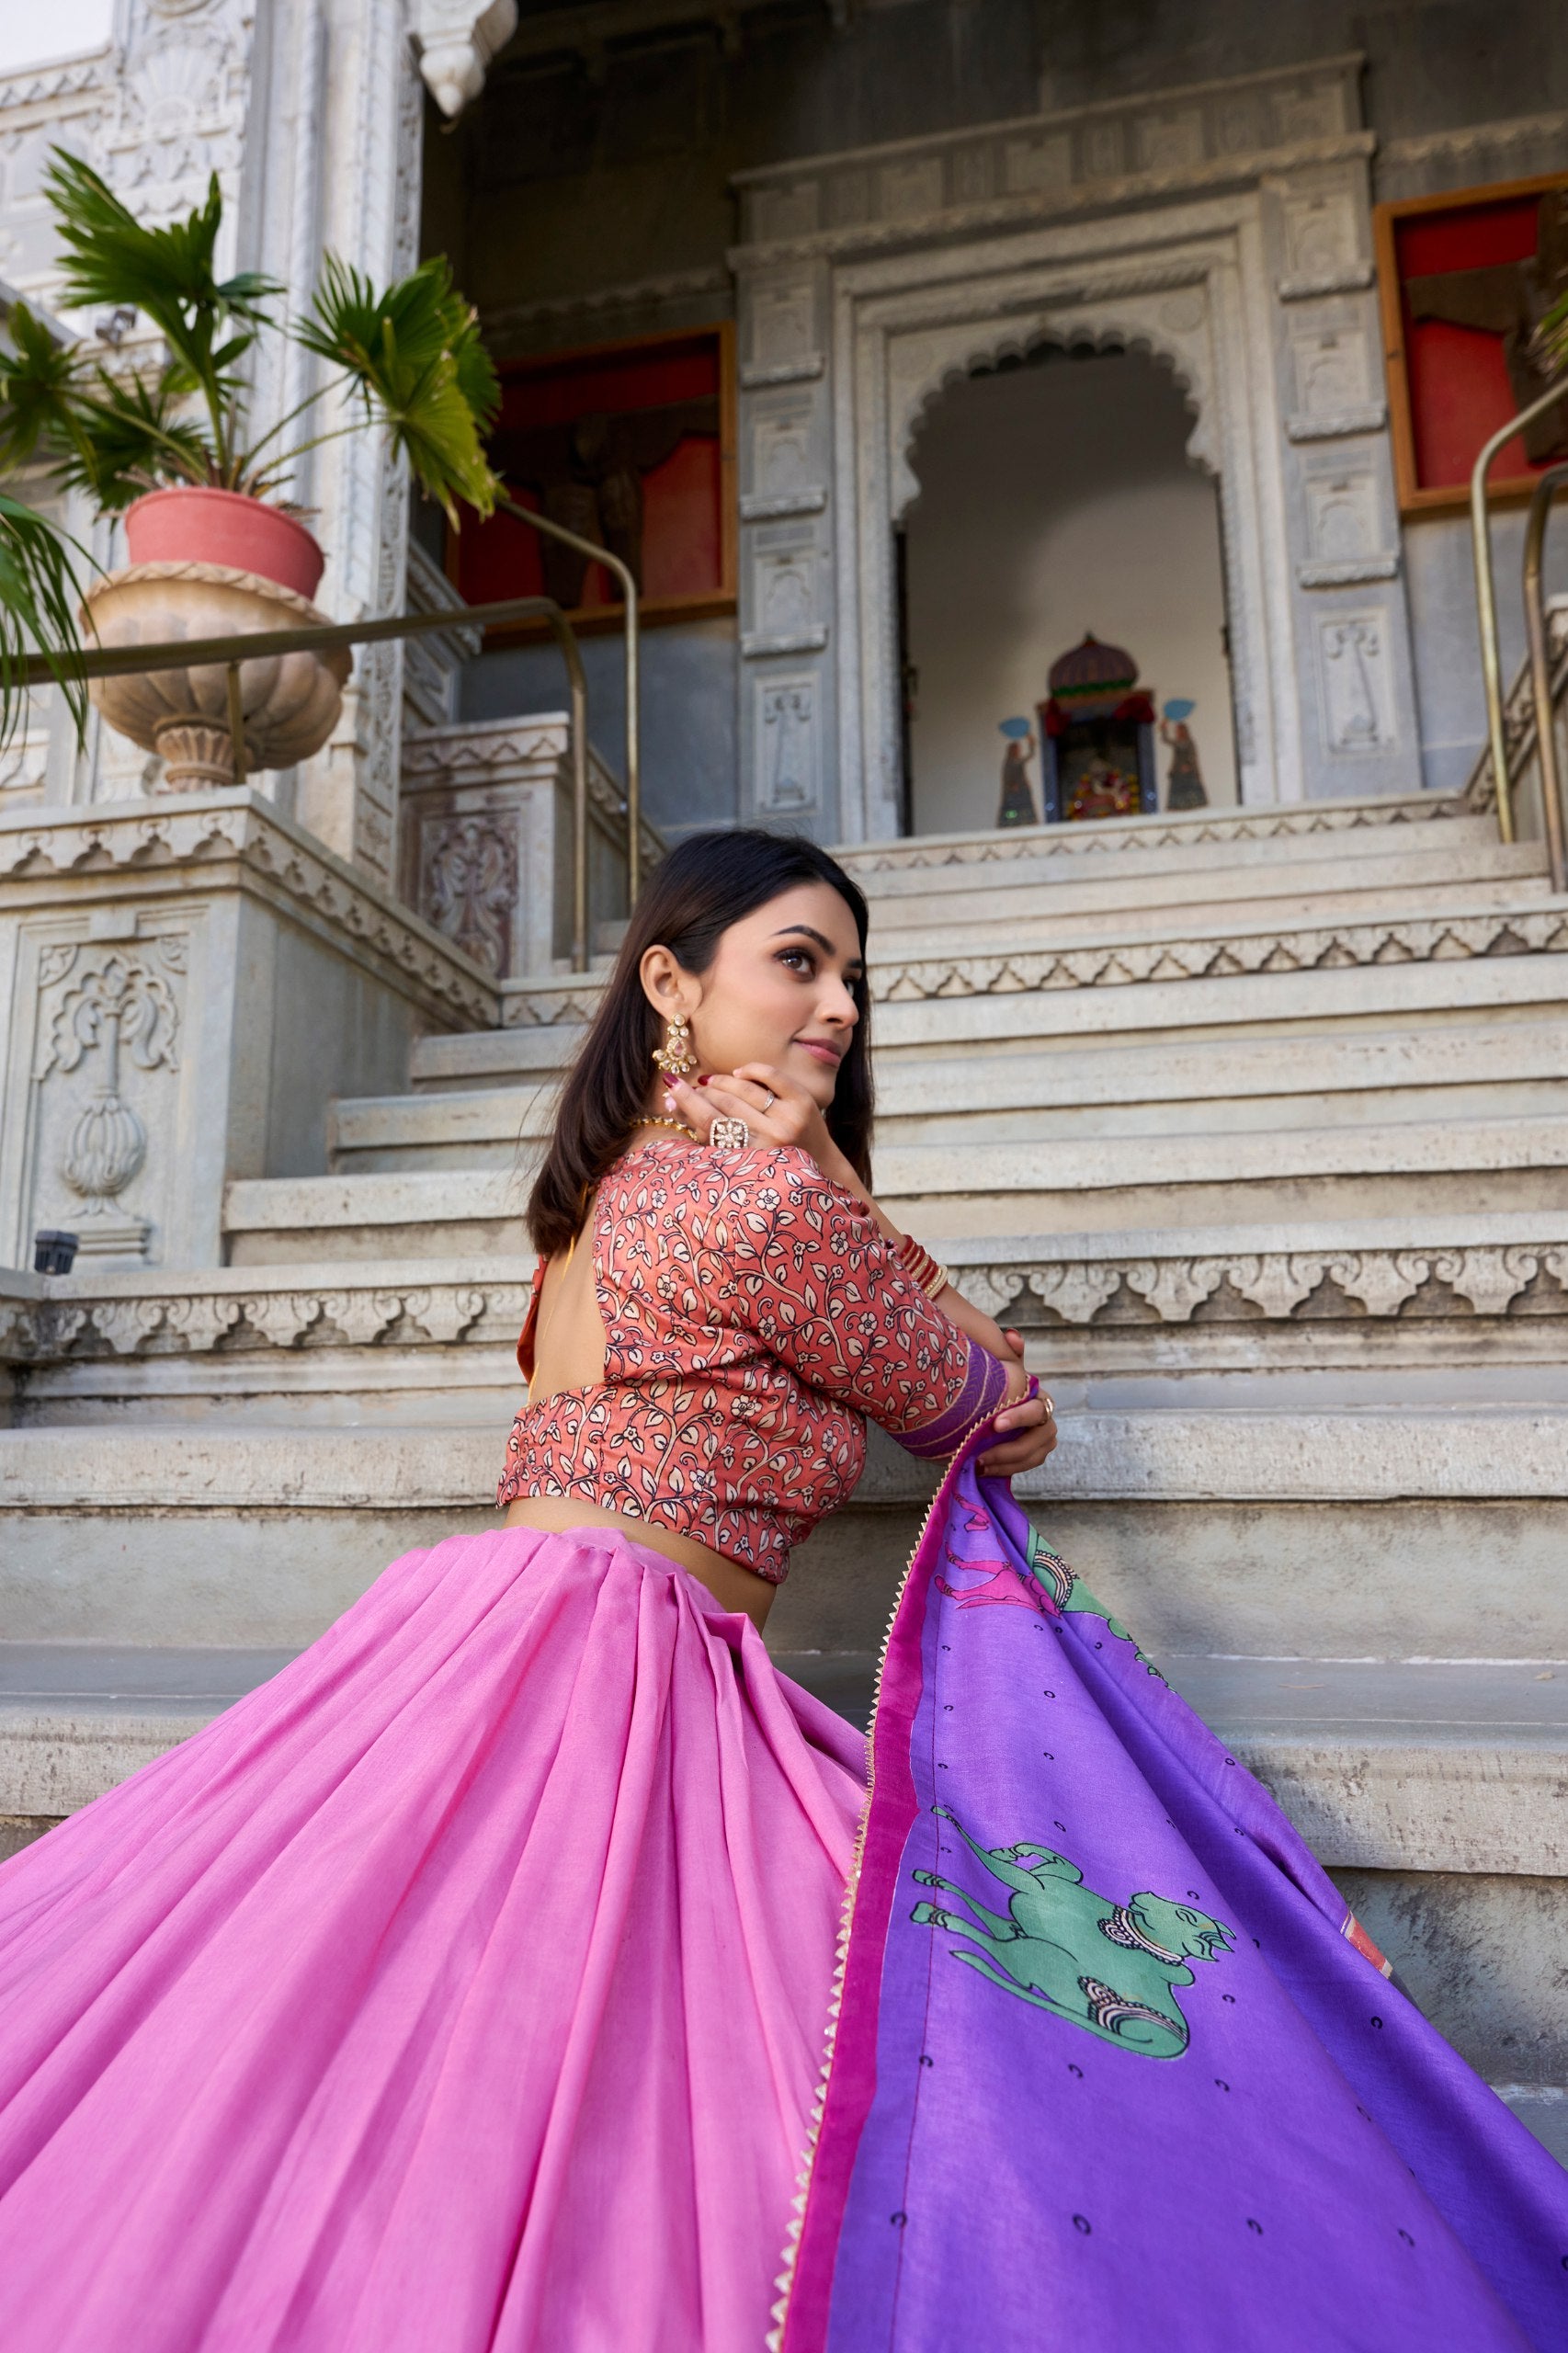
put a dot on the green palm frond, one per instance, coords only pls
(168, 273)
(39, 382)
(1550, 337)
(413, 355)
(39, 595)
(129, 438)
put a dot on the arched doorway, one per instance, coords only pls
(1056, 499)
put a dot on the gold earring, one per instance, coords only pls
(675, 1057)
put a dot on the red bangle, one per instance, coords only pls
(921, 1268)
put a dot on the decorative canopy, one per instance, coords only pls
(1093, 678)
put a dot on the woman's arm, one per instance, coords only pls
(793, 1118)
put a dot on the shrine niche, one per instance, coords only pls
(1465, 280)
(1097, 730)
(632, 446)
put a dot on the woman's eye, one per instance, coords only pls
(798, 957)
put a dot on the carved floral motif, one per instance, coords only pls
(123, 1006)
(1432, 1285)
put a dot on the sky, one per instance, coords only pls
(31, 35)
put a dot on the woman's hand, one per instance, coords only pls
(1028, 1426)
(777, 1109)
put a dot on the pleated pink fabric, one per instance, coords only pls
(462, 1988)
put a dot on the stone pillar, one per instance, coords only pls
(368, 205)
(786, 722)
(1349, 612)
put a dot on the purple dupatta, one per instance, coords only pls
(1113, 2069)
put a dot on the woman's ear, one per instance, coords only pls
(667, 989)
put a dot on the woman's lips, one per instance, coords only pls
(820, 1050)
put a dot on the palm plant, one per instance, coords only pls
(1550, 337)
(409, 359)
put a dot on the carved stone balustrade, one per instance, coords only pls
(185, 984)
(487, 841)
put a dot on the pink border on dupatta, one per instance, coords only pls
(891, 1811)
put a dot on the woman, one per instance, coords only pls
(466, 1985)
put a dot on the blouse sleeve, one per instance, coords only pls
(816, 1283)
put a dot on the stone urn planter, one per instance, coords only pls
(215, 563)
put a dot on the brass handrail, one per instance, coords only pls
(201, 653)
(1540, 672)
(1486, 598)
(622, 572)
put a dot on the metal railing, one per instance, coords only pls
(1486, 600)
(229, 653)
(1546, 489)
(631, 629)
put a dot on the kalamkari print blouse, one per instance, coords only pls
(753, 1318)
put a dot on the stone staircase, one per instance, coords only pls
(1256, 1125)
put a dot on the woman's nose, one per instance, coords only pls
(838, 1004)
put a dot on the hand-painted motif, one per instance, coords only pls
(1110, 1967)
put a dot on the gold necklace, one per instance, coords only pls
(678, 1124)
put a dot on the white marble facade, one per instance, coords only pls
(1225, 229)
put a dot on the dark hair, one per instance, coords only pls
(706, 883)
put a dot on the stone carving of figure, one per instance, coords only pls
(1018, 802)
(1184, 783)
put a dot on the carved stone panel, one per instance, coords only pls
(906, 189)
(782, 339)
(1322, 239)
(486, 840)
(788, 735)
(1035, 166)
(108, 1018)
(1333, 369)
(1170, 142)
(1355, 684)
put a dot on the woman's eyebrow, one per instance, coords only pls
(806, 932)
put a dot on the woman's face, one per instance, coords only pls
(778, 990)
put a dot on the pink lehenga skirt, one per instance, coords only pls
(463, 1988)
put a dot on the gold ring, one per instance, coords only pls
(1049, 1405)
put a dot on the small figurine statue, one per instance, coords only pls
(1017, 803)
(1184, 783)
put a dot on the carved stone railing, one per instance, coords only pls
(486, 840)
(1181, 830)
(1512, 1269)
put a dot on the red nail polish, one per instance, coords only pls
(702, 1081)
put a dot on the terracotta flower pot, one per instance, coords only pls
(191, 525)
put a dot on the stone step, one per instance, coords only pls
(1429, 1790)
(1443, 1070)
(1124, 977)
(988, 1019)
(1277, 832)
(1429, 1765)
(1048, 1186)
(1116, 905)
(1049, 857)
(1371, 1532)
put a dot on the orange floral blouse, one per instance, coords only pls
(753, 1318)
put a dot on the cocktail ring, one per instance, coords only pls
(729, 1135)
